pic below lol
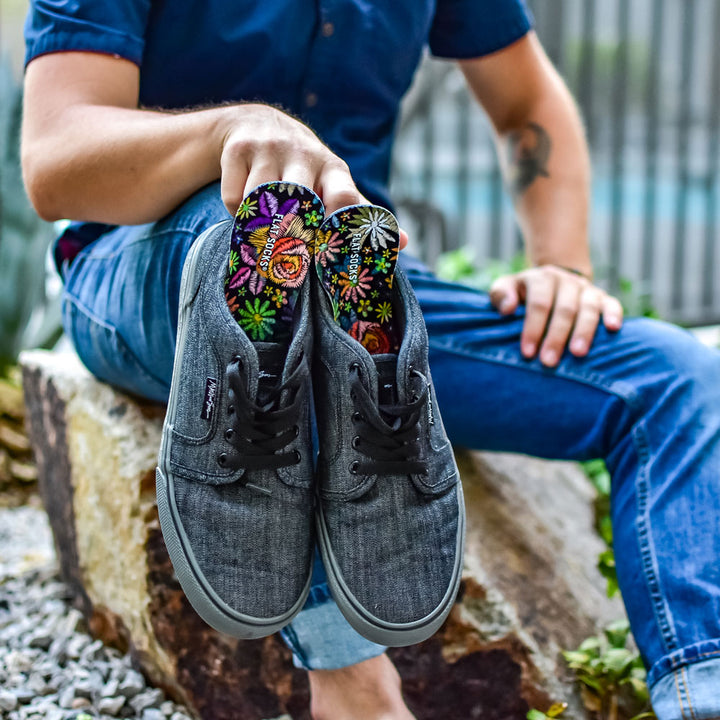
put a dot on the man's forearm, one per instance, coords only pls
(123, 166)
(89, 153)
(547, 170)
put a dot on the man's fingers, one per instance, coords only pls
(562, 319)
(262, 172)
(403, 238)
(612, 313)
(336, 187)
(504, 294)
(540, 295)
(232, 185)
(588, 317)
(300, 174)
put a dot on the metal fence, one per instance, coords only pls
(646, 74)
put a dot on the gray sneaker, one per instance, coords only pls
(390, 516)
(235, 473)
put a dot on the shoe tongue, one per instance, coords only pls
(271, 361)
(386, 365)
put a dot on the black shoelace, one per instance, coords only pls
(260, 429)
(387, 434)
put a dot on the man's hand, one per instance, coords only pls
(263, 144)
(562, 308)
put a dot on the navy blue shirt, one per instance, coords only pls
(342, 66)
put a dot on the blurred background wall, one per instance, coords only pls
(646, 74)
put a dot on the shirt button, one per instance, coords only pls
(311, 99)
(328, 29)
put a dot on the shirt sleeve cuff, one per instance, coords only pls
(87, 39)
(459, 37)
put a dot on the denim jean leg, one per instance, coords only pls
(120, 309)
(647, 399)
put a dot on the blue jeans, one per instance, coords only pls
(646, 399)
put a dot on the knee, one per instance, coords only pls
(674, 364)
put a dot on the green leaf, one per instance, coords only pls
(575, 658)
(605, 529)
(617, 661)
(536, 715)
(598, 474)
(556, 710)
(617, 633)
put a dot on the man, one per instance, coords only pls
(544, 357)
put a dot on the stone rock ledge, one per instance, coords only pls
(529, 588)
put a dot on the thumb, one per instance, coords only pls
(403, 238)
(504, 294)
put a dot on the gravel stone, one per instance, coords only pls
(8, 701)
(132, 684)
(153, 714)
(147, 699)
(111, 705)
(110, 690)
(50, 669)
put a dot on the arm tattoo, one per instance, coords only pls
(528, 155)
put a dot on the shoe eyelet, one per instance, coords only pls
(231, 409)
(354, 467)
(229, 434)
(296, 430)
(355, 366)
(356, 417)
(353, 396)
(356, 441)
(222, 459)
(298, 457)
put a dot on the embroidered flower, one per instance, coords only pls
(371, 336)
(353, 287)
(327, 247)
(279, 297)
(384, 311)
(257, 319)
(233, 262)
(363, 307)
(247, 208)
(376, 225)
(288, 263)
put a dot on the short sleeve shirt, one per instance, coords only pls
(342, 66)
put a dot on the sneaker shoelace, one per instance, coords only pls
(261, 427)
(387, 434)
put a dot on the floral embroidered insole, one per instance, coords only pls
(270, 250)
(356, 250)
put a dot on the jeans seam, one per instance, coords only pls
(681, 701)
(647, 551)
(687, 694)
(631, 399)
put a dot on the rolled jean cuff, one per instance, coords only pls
(685, 684)
(321, 638)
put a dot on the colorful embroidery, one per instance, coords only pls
(270, 250)
(355, 254)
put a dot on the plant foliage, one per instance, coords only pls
(24, 239)
(613, 676)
